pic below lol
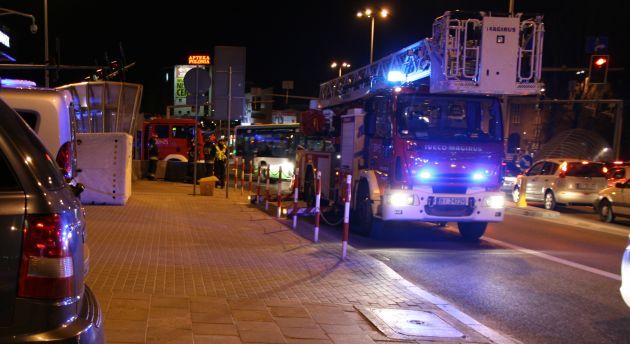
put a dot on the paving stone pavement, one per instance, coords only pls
(169, 267)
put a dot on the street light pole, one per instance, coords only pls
(47, 72)
(341, 65)
(372, 42)
(369, 14)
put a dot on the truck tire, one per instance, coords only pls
(309, 186)
(363, 221)
(472, 231)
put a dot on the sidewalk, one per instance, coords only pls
(172, 267)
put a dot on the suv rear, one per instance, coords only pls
(50, 114)
(43, 258)
(562, 181)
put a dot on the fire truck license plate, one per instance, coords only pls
(451, 201)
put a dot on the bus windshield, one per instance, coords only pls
(452, 118)
(272, 140)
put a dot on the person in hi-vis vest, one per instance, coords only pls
(220, 159)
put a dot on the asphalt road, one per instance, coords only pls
(535, 280)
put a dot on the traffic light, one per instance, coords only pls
(598, 69)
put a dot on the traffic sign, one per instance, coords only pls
(197, 80)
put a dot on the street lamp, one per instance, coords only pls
(367, 13)
(340, 65)
(6, 11)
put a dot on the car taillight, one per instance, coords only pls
(64, 160)
(46, 270)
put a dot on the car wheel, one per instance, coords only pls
(605, 211)
(550, 200)
(516, 193)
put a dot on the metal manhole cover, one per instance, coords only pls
(404, 323)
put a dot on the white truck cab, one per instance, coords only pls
(50, 114)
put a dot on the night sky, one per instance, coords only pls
(292, 40)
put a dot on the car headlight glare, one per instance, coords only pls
(495, 202)
(400, 199)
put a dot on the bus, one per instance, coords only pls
(269, 146)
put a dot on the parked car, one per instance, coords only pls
(509, 171)
(618, 174)
(625, 275)
(562, 181)
(614, 201)
(43, 255)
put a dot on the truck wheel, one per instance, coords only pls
(309, 186)
(605, 211)
(363, 219)
(472, 231)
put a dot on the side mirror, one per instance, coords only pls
(77, 189)
(620, 185)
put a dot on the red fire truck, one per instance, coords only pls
(421, 131)
(174, 138)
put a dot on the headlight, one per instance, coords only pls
(495, 202)
(400, 199)
(287, 168)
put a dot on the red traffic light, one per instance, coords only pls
(600, 61)
(598, 70)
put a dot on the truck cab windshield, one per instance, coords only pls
(449, 118)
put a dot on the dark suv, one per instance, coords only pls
(43, 296)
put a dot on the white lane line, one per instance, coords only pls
(554, 259)
(467, 320)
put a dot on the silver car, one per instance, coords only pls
(562, 181)
(614, 201)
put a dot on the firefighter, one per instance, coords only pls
(209, 153)
(220, 159)
(154, 152)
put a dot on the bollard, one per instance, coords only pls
(251, 175)
(318, 186)
(235, 173)
(346, 219)
(268, 195)
(279, 211)
(295, 206)
(258, 200)
(242, 176)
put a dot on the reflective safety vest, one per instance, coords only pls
(221, 153)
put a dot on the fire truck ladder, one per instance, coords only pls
(406, 65)
(451, 58)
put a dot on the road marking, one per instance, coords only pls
(493, 335)
(554, 259)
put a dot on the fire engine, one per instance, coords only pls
(421, 130)
(174, 138)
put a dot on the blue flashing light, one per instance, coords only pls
(478, 176)
(395, 76)
(11, 83)
(424, 175)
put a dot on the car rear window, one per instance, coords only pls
(32, 151)
(578, 169)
